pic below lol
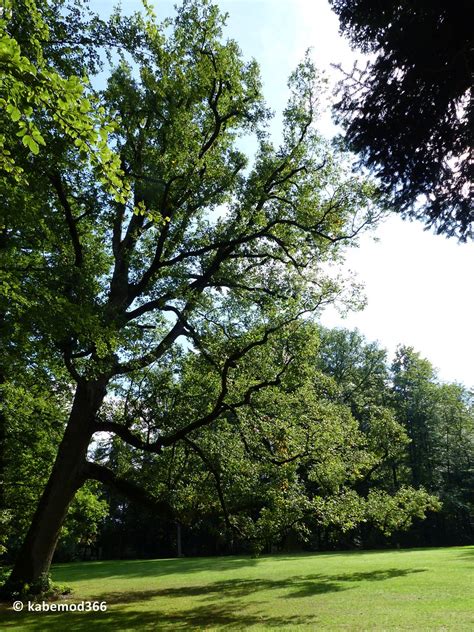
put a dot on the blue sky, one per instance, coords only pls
(418, 285)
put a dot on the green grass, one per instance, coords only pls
(418, 589)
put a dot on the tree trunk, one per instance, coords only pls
(178, 540)
(67, 476)
(3, 436)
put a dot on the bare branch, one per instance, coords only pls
(57, 183)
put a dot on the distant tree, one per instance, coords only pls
(358, 367)
(361, 371)
(455, 463)
(421, 429)
(439, 419)
(409, 113)
(414, 389)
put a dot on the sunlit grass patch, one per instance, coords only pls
(418, 589)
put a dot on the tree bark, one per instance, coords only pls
(34, 559)
(3, 436)
(178, 540)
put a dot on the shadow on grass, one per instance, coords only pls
(295, 586)
(80, 571)
(224, 610)
(83, 571)
(228, 616)
(467, 552)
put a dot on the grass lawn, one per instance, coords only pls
(418, 589)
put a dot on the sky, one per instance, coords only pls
(417, 285)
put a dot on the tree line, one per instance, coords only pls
(376, 431)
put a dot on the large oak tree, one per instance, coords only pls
(204, 256)
(113, 286)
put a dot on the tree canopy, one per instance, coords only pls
(204, 255)
(409, 113)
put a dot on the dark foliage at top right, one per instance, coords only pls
(409, 112)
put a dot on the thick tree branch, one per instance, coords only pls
(129, 489)
(117, 228)
(220, 405)
(148, 358)
(127, 435)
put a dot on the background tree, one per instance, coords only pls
(423, 428)
(361, 372)
(409, 113)
(358, 367)
(455, 434)
(414, 389)
(440, 423)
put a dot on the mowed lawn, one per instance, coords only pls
(417, 589)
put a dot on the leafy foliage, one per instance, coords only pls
(35, 414)
(202, 255)
(292, 458)
(439, 419)
(31, 88)
(421, 427)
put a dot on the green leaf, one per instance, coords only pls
(15, 114)
(30, 142)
